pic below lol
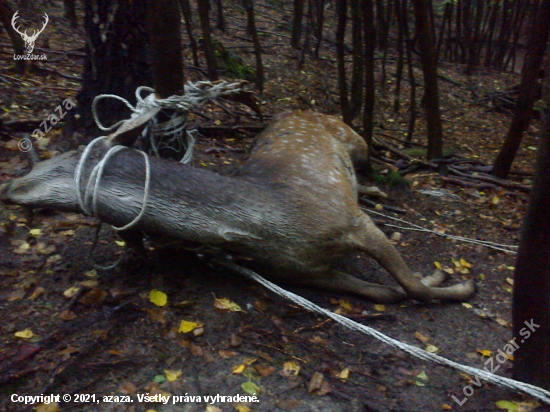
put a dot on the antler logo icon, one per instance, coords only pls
(29, 40)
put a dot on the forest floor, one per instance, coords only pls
(90, 332)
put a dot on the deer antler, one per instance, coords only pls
(13, 19)
(37, 32)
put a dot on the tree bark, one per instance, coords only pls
(297, 23)
(188, 17)
(249, 6)
(163, 24)
(341, 10)
(429, 69)
(117, 60)
(369, 42)
(527, 94)
(532, 275)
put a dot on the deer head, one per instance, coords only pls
(29, 40)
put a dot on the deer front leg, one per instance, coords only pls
(373, 242)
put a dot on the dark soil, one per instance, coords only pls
(109, 339)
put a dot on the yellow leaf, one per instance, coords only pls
(69, 293)
(291, 368)
(238, 369)
(35, 232)
(446, 407)
(242, 408)
(344, 374)
(380, 308)
(379, 207)
(211, 408)
(186, 326)
(432, 348)
(47, 407)
(495, 200)
(467, 305)
(507, 405)
(510, 281)
(226, 304)
(24, 334)
(121, 243)
(158, 298)
(172, 375)
(344, 304)
(485, 352)
(438, 265)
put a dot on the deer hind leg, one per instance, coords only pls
(373, 242)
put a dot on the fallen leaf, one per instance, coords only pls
(507, 405)
(380, 307)
(421, 379)
(48, 407)
(241, 408)
(467, 305)
(485, 352)
(211, 408)
(344, 374)
(24, 334)
(432, 348)
(238, 369)
(127, 388)
(264, 369)
(226, 354)
(186, 326)
(422, 338)
(35, 232)
(226, 304)
(67, 315)
(158, 298)
(251, 388)
(73, 290)
(172, 375)
(290, 368)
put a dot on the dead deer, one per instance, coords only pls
(292, 207)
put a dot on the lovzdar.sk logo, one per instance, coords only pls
(29, 40)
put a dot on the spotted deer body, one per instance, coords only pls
(291, 207)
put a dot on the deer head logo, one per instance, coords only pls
(29, 40)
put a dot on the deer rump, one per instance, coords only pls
(292, 206)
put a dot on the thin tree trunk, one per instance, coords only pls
(188, 17)
(527, 94)
(220, 25)
(249, 6)
(357, 78)
(369, 42)
(429, 68)
(297, 23)
(204, 7)
(341, 10)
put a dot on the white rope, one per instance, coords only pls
(492, 245)
(195, 94)
(95, 179)
(502, 381)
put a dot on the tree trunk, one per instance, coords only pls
(532, 275)
(429, 69)
(357, 79)
(527, 94)
(188, 17)
(249, 6)
(116, 57)
(204, 7)
(341, 10)
(163, 24)
(369, 42)
(220, 25)
(70, 12)
(297, 23)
